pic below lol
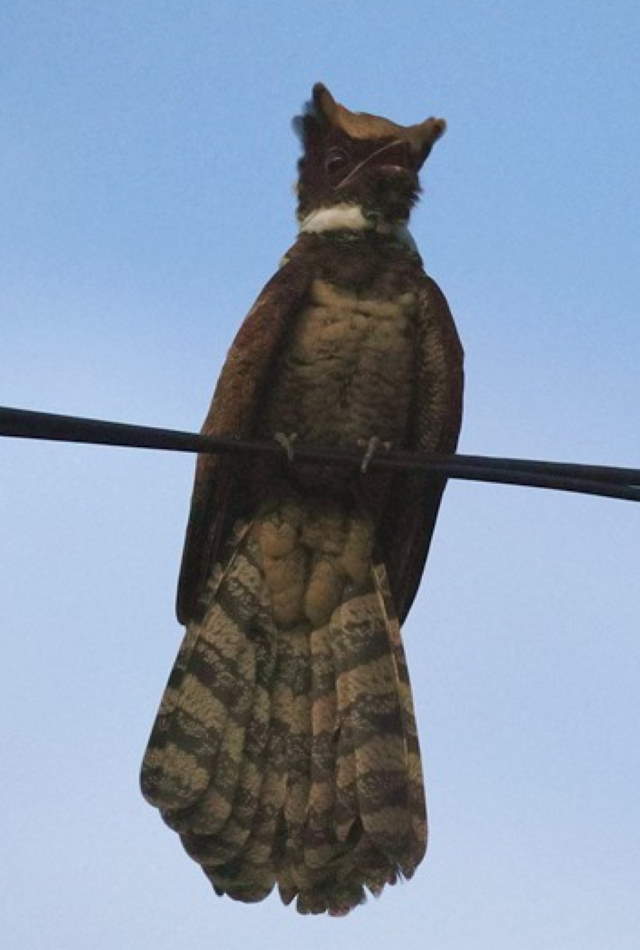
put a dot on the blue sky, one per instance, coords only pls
(147, 165)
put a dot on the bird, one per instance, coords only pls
(285, 752)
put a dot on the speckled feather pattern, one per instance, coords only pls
(347, 371)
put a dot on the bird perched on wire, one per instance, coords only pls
(285, 748)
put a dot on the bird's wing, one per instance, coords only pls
(238, 394)
(410, 515)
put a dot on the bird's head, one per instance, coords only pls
(353, 158)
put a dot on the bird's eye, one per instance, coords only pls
(335, 160)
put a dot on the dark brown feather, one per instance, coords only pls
(215, 502)
(407, 524)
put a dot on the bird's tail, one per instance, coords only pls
(285, 748)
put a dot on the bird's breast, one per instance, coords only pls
(346, 371)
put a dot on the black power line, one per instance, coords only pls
(604, 480)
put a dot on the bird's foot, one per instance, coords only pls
(372, 445)
(286, 441)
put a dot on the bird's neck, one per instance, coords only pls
(353, 218)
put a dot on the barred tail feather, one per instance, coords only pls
(415, 783)
(285, 750)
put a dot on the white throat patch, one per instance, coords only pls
(349, 217)
(339, 217)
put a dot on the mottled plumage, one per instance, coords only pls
(285, 748)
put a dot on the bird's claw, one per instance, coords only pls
(372, 446)
(286, 441)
